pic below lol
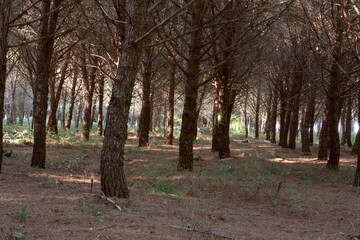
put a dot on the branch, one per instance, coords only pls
(164, 22)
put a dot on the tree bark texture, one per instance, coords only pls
(191, 87)
(294, 122)
(305, 147)
(4, 30)
(268, 114)
(72, 99)
(323, 140)
(47, 29)
(356, 182)
(284, 105)
(348, 121)
(56, 95)
(79, 111)
(89, 86)
(113, 181)
(145, 115)
(273, 117)
(333, 104)
(171, 103)
(257, 112)
(222, 93)
(101, 104)
(64, 108)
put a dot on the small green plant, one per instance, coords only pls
(307, 154)
(313, 175)
(13, 236)
(164, 186)
(339, 235)
(46, 180)
(227, 170)
(273, 168)
(133, 149)
(91, 209)
(22, 215)
(294, 194)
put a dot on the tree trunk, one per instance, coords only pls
(101, 103)
(222, 93)
(273, 117)
(72, 99)
(333, 104)
(307, 122)
(113, 182)
(268, 114)
(284, 105)
(144, 123)
(287, 125)
(56, 95)
(215, 137)
(245, 115)
(93, 112)
(4, 29)
(79, 111)
(323, 140)
(191, 88)
(294, 122)
(198, 110)
(171, 101)
(47, 29)
(64, 109)
(89, 85)
(343, 127)
(355, 147)
(348, 121)
(356, 182)
(257, 112)
(312, 115)
(13, 105)
(22, 107)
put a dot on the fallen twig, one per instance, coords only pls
(278, 189)
(91, 186)
(201, 231)
(104, 228)
(111, 201)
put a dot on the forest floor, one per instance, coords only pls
(261, 192)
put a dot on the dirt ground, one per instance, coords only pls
(261, 192)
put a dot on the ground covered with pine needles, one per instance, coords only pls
(261, 192)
